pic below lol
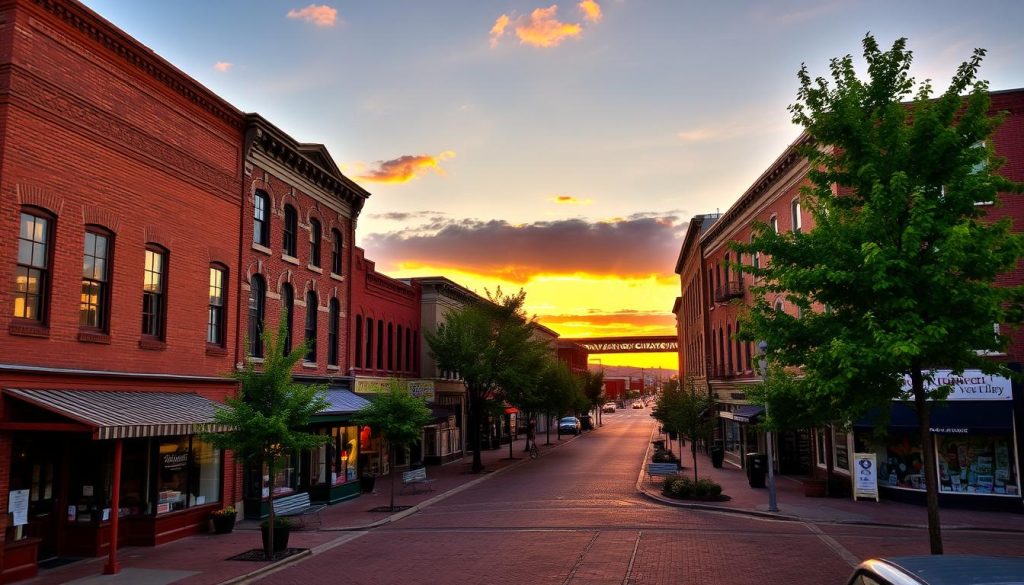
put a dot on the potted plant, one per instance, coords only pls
(224, 520)
(717, 454)
(367, 481)
(282, 529)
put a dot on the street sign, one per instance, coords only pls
(865, 476)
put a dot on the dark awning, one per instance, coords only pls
(949, 418)
(747, 413)
(123, 415)
(343, 402)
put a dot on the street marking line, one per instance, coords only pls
(632, 558)
(579, 560)
(833, 544)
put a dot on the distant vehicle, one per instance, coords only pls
(638, 405)
(586, 422)
(608, 407)
(569, 424)
(940, 570)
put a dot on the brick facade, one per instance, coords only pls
(385, 323)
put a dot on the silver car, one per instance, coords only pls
(940, 570)
(569, 424)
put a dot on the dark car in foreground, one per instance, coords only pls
(940, 570)
(569, 424)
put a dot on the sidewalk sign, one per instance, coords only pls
(865, 480)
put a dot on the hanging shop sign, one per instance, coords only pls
(419, 388)
(865, 476)
(969, 385)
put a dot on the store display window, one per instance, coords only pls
(977, 464)
(733, 437)
(188, 474)
(900, 463)
(335, 462)
(840, 450)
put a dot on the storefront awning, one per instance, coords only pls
(343, 402)
(949, 418)
(123, 415)
(747, 413)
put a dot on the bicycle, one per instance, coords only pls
(534, 451)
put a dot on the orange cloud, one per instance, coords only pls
(322, 15)
(591, 10)
(600, 324)
(406, 168)
(540, 29)
(223, 66)
(570, 200)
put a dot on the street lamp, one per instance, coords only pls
(762, 364)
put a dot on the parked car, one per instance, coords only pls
(569, 424)
(638, 404)
(586, 422)
(940, 570)
(608, 407)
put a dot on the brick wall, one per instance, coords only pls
(392, 303)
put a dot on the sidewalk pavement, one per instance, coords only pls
(794, 505)
(202, 559)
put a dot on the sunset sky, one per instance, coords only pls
(555, 146)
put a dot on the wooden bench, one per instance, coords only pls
(415, 478)
(662, 470)
(298, 505)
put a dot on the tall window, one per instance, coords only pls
(398, 348)
(154, 298)
(314, 241)
(336, 251)
(288, 306)
(95, 303)
(261, 219)
(32, 274)
(215, 322)
(774, 223)
(359, 341)
(332, 333)
(368, 363)
(380, 344)
(795, 210)
(291, 230)
(391, 346)
(257, 310)
(311, 311)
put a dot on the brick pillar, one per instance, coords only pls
(5, 485)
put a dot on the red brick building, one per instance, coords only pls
(713, 296)
(119, 206)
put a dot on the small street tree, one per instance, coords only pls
(593, 389)
(686, 411)
(398, 417)
(269, 416)
(490, 345)
(897, 275)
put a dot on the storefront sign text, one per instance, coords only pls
(865, 476)
(419, 388)
(970, 385)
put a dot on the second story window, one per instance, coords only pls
(32, 274)
(311, 311)
(257, 310)
(291, 230)
(332, 333)
(795, 210)
(154, 298)
(336, 252)
(314, 242)
(94, 307)
(288, 306)
(261, 219)
(215, 323)
(773, 223)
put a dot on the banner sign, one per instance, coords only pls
(419, 388)
(865, 476)
(970, 385)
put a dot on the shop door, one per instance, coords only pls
(35, 466)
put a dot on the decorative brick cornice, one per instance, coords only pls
(138, 55)
(93, 215)
(39, 197)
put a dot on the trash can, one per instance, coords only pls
(757, 468)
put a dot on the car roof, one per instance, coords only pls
(962, 569)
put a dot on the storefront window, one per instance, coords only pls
(188, 474)
(977, 464)
(840, 450)
(900, 462)
(819, 438)
(733, 440)
(286, 476)
(335, 462)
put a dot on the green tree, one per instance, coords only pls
(490, 345)
(398, 417)
(686, 411)
(897, 275)
(593, 389)
(269, 416)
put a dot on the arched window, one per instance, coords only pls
(398, 347)
(32, 273)
(216, 322)
(291, 230)
(359, 341)
(314, 241)
(94, 308)
(728, 349)
(336, 252)
(288, 306)
(332, 333)
(257, 310)
(368, 364)
(391, 346)
(261, 219)
(312, 307)
(408, 350)
(380, 344)
(154, 289)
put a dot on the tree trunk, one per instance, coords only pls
(474, 426)
(391, 463)
(693, 450)
(548, 430)
(268, 549)
(928, 456)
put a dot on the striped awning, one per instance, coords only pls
(123, 415)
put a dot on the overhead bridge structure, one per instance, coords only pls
(643, 344)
